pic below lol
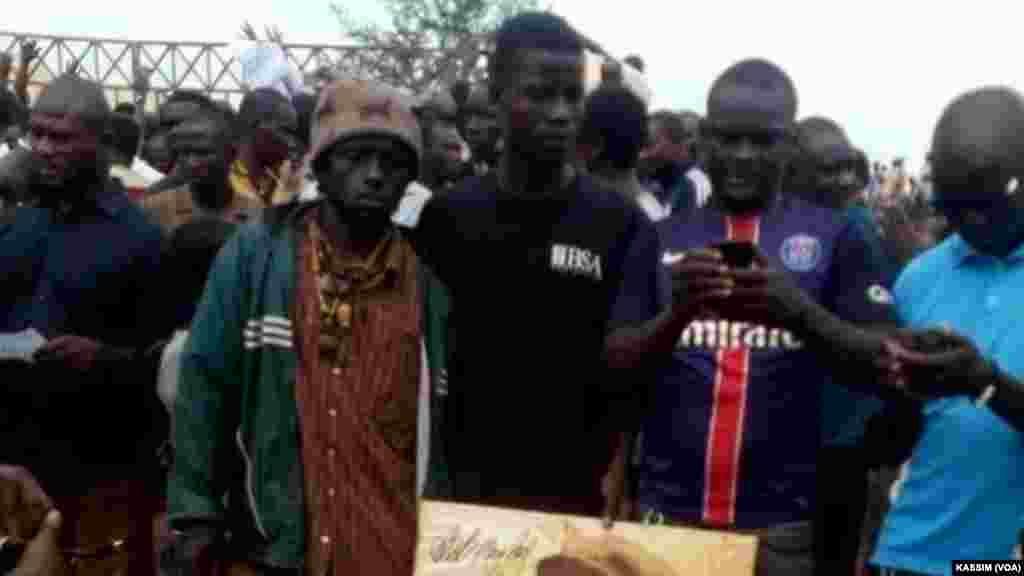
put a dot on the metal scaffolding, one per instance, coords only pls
(120, 64)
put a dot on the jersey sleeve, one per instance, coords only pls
(641, 293)
(858, 286)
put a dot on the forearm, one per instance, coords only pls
(853, 350)
(632, 347)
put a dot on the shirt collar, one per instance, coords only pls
(964, 254)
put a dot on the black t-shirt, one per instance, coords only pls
(536, 284)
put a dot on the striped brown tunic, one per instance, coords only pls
(356, 391)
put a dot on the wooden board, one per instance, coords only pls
(462, 540)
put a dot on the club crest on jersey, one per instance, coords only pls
(801, 253)
(575, 261)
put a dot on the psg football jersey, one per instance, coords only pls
(732, 433)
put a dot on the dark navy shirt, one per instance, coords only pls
(732, 434)
(92, 274)
(536, 284)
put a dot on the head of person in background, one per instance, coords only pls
(182, 105)
(481, 127)
(689, 151)
(636, 62)
(667, 139)
(830, 163)
(442, 144)
(204, 149)
(123, 144)
(266, 131)
(613, 131)
(179, 106)
(978, 171)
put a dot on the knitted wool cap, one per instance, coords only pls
(350, 108)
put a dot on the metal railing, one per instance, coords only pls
(119, 64)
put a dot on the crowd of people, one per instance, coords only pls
(251, 341)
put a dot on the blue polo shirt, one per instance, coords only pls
(961, 494)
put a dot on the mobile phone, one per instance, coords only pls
(737, 254)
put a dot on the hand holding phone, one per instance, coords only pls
(737, 254)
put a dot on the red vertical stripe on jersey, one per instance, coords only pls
(725, 434)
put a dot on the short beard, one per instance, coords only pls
(77, 189)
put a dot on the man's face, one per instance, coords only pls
(64, 149)
(744, 167)
(659, 151)
(986, 208)
(443, 143)
(276, 138)
(542, 105)
(835, 182)
(202, 153)
(365, 177)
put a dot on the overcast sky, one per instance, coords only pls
(882, 68)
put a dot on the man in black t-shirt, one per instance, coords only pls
(542, 265)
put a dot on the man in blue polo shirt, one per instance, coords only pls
(961, 494)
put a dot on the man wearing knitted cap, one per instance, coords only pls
(305, 369)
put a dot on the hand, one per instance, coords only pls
(764, 295)
(939, 363)
(74, 351)
(29, 52)
(699, 279)
(42, 555)
(23, 503)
